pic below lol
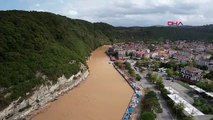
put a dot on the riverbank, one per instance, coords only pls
(136, 97)
(43, 95)
(104, 95)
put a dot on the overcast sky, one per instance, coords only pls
(123, 12)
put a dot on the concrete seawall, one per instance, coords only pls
(123, 75)
(133, 98)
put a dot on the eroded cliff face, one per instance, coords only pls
(20, 109)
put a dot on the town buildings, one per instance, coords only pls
(181, 52)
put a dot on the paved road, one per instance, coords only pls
(165, 115)
(182, 91)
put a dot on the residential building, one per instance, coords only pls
(191, 74)
(202, 62)
(140, 54)
(122, 54)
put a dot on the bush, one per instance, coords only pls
(209, 75)
(147, 116)
(128, 66)
(203, 106)
(150, 102)
(138, 77)
(205, 85)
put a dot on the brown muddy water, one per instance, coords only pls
(104, 95)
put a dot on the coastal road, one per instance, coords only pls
(166, 114)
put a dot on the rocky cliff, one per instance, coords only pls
(20, 109)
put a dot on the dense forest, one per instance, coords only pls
(33, 42)
(163, 33)
(45, 43)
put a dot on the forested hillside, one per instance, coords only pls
(195, 33)
(53, 45)
(33, 42)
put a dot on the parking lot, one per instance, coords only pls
(183, 91)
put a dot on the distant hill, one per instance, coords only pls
(191, 33)
(158, 33)
(41, 42)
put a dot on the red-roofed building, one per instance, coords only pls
(139, 54)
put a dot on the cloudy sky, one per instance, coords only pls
(123, 12)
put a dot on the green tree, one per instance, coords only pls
(164, 93)
(142, 69)
(179, 109)
(147, 116)
(156, 66)
(149, 74)
(193, 63)
(159, 82)
(128, 65)
(209, 75)
(170, 72)
(150, 102)
(132, 73)
(151, 47)
(138, 77)
(119, 64)
(154, 78)
(208, 86)
(188, 118)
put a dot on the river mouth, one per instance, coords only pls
(104, 95)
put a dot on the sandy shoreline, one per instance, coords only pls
(104, 95)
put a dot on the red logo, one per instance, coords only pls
(175, 23)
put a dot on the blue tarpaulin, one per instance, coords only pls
(126, 116)
(131, 110)
(137, 95)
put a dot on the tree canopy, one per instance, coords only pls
(40, 42)
(147, 116)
